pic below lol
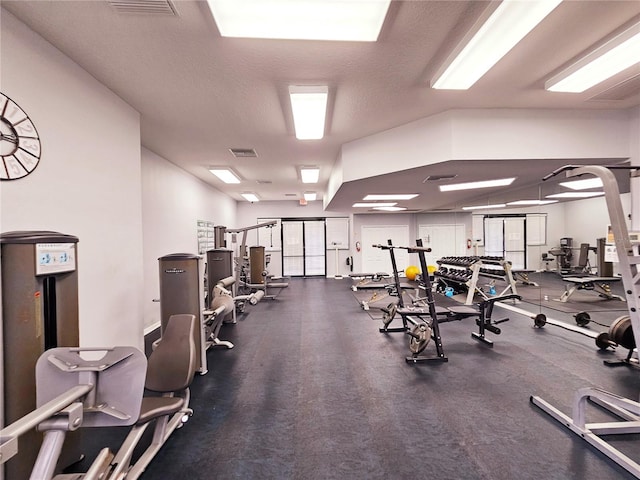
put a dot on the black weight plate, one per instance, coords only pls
(540, 320)
(602, 341)
(621, 332)
(389, 313)
(582, 319)
(423, 334)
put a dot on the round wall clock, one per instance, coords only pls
(19, 141)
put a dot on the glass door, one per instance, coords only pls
(303, 247)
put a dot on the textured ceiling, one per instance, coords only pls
(200, 94)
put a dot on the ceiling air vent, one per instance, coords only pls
(437, 178)
(264, 182)
(157, 7)
(290, 194)
(243, 152)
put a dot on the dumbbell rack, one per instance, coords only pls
(626, 412)
(466, 271)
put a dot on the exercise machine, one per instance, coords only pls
(424, 316)
(182, 291)
(74, 392)
(39, 272)
(624, 412)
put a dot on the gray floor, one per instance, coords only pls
(312, 390)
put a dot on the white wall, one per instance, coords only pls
(87, 183)
(172, 203)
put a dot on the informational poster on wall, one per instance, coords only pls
(206, 240)
(610, 253)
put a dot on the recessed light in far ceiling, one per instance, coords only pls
(583, 184)
(310, 196)
(575, 195)
(502, 182)
(532, 202)
(390, 196)
(250, 197)
(309, 174)
(481, 207)
(390, 209)
(490, 39)
(225, 174)
(243, 152)
(309, 109)
(373, 204)
(611, 58)
(359, 21)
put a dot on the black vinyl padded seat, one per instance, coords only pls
(170, 368)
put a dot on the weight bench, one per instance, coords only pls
(482, 310)
(425, 318)
(596, 284)
(368, 281)
(522, 276)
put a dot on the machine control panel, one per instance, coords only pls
(55, 258)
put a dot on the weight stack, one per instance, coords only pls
(182, 291)
(257, 264)
(219, 266)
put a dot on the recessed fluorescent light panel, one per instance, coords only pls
(373, 205)
(310, 196)
(356, 21)
(532, 202)
(309, 107)
(481, 207)
(616, 55)
(225, 174)
(390, 209)
(309, 174)
(250, 197)
(502, 182)
(575, 195)
(392, 196)
(490, 40)
(583, 184)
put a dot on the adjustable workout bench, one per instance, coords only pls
(599, 285)
(369, 281)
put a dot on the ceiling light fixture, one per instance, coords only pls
(532, 202)
(575, 195)
(250, 197)
(309, 107)
(310, 196)
(357, 21)
(225, 174)
(481, 207)
(390, 209)
(490, 39)
(309, 174)
(583, 184)
(391, 196)
(502, 182)
(373, 205)
(611, 58)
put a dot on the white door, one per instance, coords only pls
(377, 260)
(444, 241)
